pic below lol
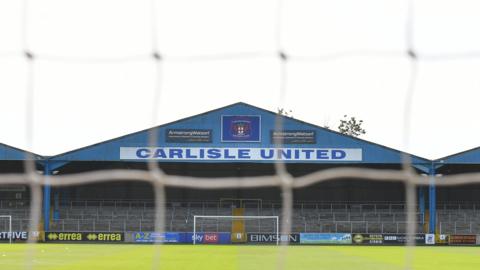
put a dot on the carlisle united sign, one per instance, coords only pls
(243, 154)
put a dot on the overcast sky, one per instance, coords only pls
(79, 99)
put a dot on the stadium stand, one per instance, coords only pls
(131, 216)
(344, 205)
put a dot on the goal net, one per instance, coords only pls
(237, 228)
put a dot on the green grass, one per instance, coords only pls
(209, 257)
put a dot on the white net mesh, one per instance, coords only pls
(163, 60)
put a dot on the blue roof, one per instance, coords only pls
(8, 152)
(239, 133)
(471, 156)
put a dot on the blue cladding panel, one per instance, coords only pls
(325, 139)
(467, 157)
(11, 153)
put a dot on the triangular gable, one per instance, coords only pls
(239, 133)
(8, 152)
(471, 156)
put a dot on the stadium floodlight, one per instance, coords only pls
(234, 218)
(10, 234)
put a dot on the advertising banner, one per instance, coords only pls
(441, 239)
(107, 237)
(430, 239)
(188, 135)
(462, 239)
(396, 239)
(153, 237)
(367, 239)
(18, 236)
(293, 136)
(271, 238)
(207, 238)
(241, 128)
(325, 238)
(399, 239)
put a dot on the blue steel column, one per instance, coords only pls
(432, 200)
(56, 204)
(421, 202)
(46, 199)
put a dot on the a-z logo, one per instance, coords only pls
(210, 238)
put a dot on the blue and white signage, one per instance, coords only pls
(154, 237)
(243, 154)
(240, 128)
(325, 238)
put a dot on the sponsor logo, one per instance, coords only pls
(188, 135)
(325, 238)
(197, 237)
(462, 239)
(83, 236)
(272, 238)
(358, 238)
(293, 136)
(153, 237)
(13, 235)
(210, 238)
(430, 239)
(367, 239)
(419, 239)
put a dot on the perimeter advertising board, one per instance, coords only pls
(325, 238)
(441, 239)
(19, 236)
(105, 237)
(396, 239)
(271, 238)
(180, 238)
(367, 239)
(462, 239)
(430, 239)
(208, 238)
(390, 239)
(153, 237)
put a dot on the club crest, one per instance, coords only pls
(240, 128)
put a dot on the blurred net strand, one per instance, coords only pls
(240, 182)
(281, 179)
(249, 55)
(410, 187)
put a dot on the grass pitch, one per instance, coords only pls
(210, 257)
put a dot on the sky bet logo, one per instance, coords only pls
(208, 153)
(198, 237)
(206, 238)
(211, 238)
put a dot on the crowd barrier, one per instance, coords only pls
(251, 238)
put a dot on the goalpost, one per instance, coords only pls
(9, 226)
(275, 218)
